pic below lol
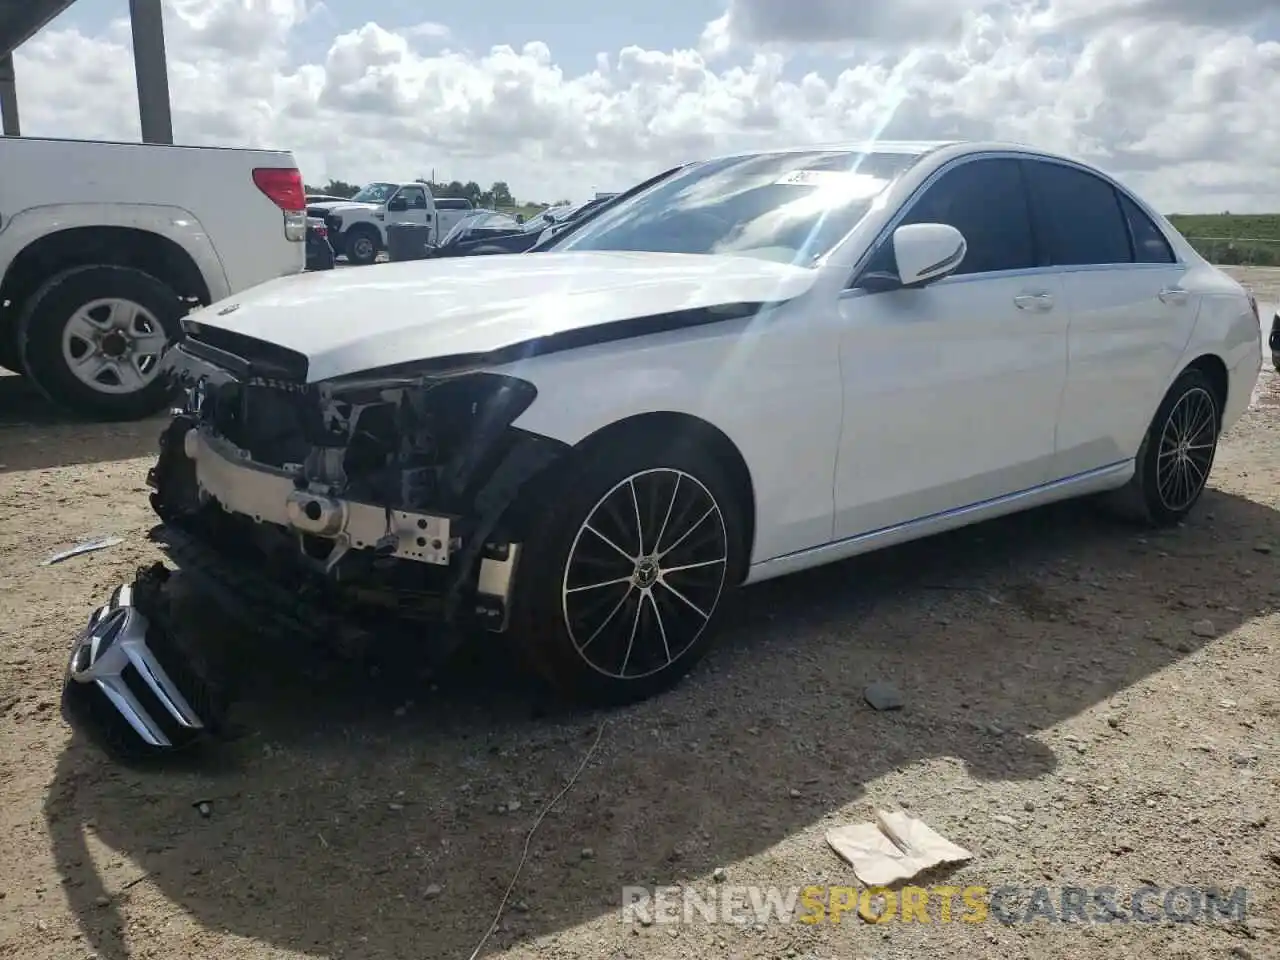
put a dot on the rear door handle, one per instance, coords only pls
(1034, 301)
(1174, 295)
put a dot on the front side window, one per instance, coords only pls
(415, 197)
(1078, 215)
(986, 201)
(791, 207)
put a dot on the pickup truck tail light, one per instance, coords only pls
(283, 187)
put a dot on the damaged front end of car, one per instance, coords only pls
(351, 509)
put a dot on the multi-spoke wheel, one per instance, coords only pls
(621, 582)
(645, 573)
(92, 339)
(1177, 453)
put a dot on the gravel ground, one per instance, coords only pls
(1085, 705)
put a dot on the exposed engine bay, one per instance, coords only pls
(395, 492)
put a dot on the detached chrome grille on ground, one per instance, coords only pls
(111, 653)
(271, 495)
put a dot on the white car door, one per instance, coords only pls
(1131, 318)
(415, 203)
(952, 390)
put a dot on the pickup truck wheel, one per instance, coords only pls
(624, 576)
(91, 339)
(362, 244)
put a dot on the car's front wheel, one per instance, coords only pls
(362, 244)
(627, 569)
(1177, 454)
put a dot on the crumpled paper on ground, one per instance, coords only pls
(896, 847)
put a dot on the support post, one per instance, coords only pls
(152, 70)
(9, 98)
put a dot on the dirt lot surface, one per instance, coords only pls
(1085, 705)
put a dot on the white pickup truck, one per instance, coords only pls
(358, 227)
(105, 246)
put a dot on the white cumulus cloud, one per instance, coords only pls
(1176, 97)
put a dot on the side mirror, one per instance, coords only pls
(398, 204)
(926, 252)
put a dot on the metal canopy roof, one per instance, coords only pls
(20, 20)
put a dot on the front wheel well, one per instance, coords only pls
(142, 250)
(685, 428)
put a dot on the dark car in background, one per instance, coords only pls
(481, 234)
(319, 250)
(498, 233)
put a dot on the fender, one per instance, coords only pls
(1227, 328)
(171, 222)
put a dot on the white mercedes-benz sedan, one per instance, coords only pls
(758, 364)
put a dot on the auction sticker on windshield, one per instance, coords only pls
(846, 181)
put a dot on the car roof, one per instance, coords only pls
(917, 148)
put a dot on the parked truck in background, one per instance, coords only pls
(104, 247)
(358, 227)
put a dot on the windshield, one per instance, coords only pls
(375, 193)
(793, 207)
(480, 221)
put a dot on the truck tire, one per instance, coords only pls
(91, 338)
(362, 244)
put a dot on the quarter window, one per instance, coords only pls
(986, 201)
(1149, 244)
(1077, 215)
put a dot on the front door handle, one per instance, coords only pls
(1174, 295)
(1034, 301)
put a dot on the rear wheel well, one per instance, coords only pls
(687, 429)
(142, 250)
(1216, 372)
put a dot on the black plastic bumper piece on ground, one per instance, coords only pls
(282, 612)
(129, 687)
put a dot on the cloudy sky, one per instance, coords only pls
(560, 97)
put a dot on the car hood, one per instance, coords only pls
(346, 207)
(349, 321)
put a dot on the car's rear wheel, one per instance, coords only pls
(624, 576)
(1178, 451)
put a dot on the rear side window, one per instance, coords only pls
(1078, 216)
(1149, 244)
(987, 202)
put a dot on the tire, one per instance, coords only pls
(362, 244)
(1169, 481)
(555, 616)
(10, 356)
(60, 317)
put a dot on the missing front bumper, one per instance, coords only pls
(271, 495)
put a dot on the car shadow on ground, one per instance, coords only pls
(36, 435)
(368, 816)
